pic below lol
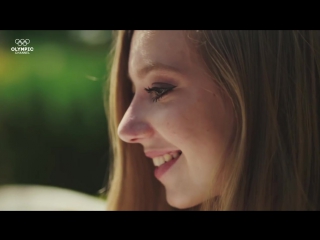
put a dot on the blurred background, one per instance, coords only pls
(53, 129)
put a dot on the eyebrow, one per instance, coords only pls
(152, 66)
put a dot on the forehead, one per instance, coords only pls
(169, 48)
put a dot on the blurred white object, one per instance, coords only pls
(45, 198)
(92, 37)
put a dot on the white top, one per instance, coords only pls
(47, 198)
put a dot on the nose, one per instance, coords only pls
(134, 128)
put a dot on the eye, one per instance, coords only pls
(159, 92)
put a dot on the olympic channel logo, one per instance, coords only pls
(24, 49)
(21, 42)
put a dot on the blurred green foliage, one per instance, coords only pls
(53, 129)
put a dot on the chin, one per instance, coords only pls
(181, 202)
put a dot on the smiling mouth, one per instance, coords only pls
(159, 161)
(164, 167)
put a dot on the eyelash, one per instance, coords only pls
(160, 92)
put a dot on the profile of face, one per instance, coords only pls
(178, 110)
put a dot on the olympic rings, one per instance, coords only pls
(21, 42)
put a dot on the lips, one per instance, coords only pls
(158, 153)
(158, 161)
(161, 170)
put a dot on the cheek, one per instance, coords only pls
(174, 126)
(189, 121)
(179, 124)
(200, 121)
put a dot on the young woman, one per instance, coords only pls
(215, 120)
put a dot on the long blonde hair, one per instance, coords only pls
(273, 79)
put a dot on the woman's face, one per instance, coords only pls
(193, 117)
